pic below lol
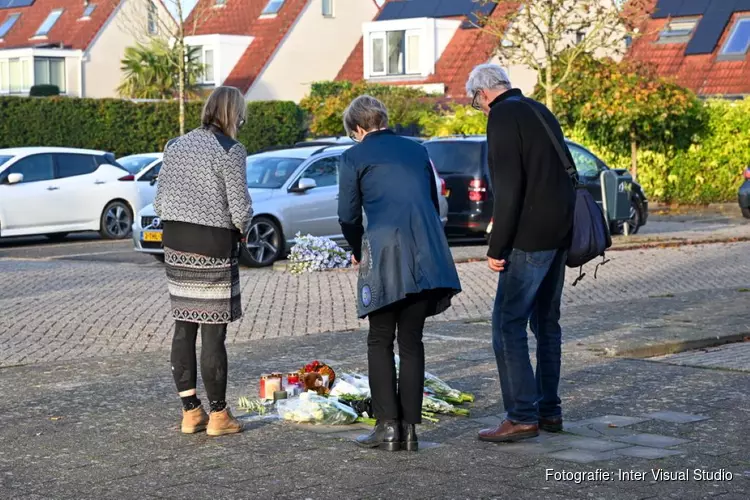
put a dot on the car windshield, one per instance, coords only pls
(135, 164)
(3, 159)
(456, 157)
(270, 172)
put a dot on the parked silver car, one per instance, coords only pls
(294, 190)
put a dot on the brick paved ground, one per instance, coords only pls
(728, 357)
(56, 310)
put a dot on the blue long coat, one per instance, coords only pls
(404, 250)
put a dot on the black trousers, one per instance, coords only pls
(404, 402)
(213, 358)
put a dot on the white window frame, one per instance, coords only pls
(407, 46)
(64, 87)
(732, 33)
(668, 35)
(202, 60)
(381, 35)
(152, 18)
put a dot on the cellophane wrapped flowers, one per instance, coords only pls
(314, 253)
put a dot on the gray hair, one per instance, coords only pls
(367, 112)
(487, 77)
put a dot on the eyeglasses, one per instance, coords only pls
(474, 101)
(241, 123)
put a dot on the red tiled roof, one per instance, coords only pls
(702, 73)
(242, 17)
(68, 30)
(467, 48)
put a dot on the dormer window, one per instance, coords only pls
(395, 53)
(738, 42)
(49, 23)
(272, 8)
(327, 8)
(8, 24)
(678, 30)
(90, 8)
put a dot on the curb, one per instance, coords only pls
(674, 347)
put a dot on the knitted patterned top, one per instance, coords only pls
(203, 180)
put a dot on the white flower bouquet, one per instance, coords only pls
(313, 253)
(310, 408)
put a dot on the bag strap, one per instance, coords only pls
(569, 167)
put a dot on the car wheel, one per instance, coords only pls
(159, 257)
(263, 243)
(634, 222)
(117, 221)
(746, 212)
(56, 236)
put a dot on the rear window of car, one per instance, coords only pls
(456, 157)
(135, 164)
(270, 172)
(4, 159)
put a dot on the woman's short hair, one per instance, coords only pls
(367, 112)
(226, 110)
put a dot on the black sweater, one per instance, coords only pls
(534, 196)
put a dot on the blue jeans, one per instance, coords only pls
(529, 291)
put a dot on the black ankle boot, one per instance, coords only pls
(386, 436)
(409, 440)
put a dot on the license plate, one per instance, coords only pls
(152, 236)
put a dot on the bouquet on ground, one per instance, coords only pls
(443, 391)
(432, 406)
(311, 408)
(312, 253)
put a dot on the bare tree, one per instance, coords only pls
(167, 20)
(536, 33)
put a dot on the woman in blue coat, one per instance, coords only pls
(406, 270)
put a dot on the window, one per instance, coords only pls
(678, 30)
(586, 163)
(152, 174)
(71, 165)
(34, 168)
(456, 157)
(88, 11)
(270, 172)
(204, 57)
(4, 159)
(134, 164)
(8, 24)
(739, 39)
(272, 8)
(395, 53)
(50, 71)
(327, 8)
(153, 19)
(49, 23)
(16, 78)
(324, 172)
(220, 3)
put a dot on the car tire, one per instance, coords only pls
(746, 212)
(264, 243)
(634, 221)
(159, 257)
(116, 221)
(56, 237)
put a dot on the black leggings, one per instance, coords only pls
(388, 403)
(213, 358)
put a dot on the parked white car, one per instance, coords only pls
(56, 191)
(293, 190)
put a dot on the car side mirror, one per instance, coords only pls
(305, 184)
(15, 178)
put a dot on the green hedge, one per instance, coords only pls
(126, 127)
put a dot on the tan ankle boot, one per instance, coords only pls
(194, 420)
(222, 422)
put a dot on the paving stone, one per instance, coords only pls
(651, 440)
(645, 452)
(591, 444)
(597, 430)
(582, 456)
(676, 417)
(610, 420)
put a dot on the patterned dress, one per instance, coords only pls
(204, 202)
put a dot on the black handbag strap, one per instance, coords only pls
(569, 167)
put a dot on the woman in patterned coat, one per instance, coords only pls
(406, 270)
(205, 207)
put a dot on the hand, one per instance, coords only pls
(355, 262)
(496, 265)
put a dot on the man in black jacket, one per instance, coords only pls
(533, 219)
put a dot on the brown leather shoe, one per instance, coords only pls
(507, 432)
(194, 420)
(222, 422)
(551, 424)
